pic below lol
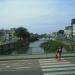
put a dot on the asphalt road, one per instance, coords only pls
(24, 67)
(20, 67)
(21, 72)
(71, 59)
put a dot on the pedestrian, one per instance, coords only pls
(59, 51)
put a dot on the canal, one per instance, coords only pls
(34, 48)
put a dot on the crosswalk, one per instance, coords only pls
(54, 67)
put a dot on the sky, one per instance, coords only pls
(38, 16)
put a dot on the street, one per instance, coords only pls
(20, 67)
(46, 66)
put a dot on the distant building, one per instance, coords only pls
(67, 32)
(12, 34)
(53, 35)
(1, 33)
(73, 28)
(7, 35)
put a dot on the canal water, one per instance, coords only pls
(34, 48)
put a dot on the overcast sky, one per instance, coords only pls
(38, 16)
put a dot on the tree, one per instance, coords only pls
(22, 33)
(60, 32)
(34, 37)
(44, 35)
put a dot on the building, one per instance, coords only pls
(73, 29)
(7, 35)
(67, 32)
(53, 35)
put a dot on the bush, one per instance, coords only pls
(50, 46)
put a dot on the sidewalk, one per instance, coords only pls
(24, 56)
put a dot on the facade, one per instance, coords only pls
(7, 35)
(53, 35)
(12, 35)
(67, 32)
(73, 29)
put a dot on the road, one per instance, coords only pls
(20, 67)
(71, 59)
(49, 66)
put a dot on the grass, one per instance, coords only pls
(69, 45)
(51, 46)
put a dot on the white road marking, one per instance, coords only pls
(22, 68)
(14, 61)
(55, 63)
(63, 65)
(8, 66)
(59, 69)
(54, 67)
(15, 69)
(60, 73)
(3, 64)
(49, 59)
(29, 63)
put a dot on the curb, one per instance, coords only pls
(7, 59)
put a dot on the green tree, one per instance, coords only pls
(60, 32)
(22, 33)
(34, 37)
